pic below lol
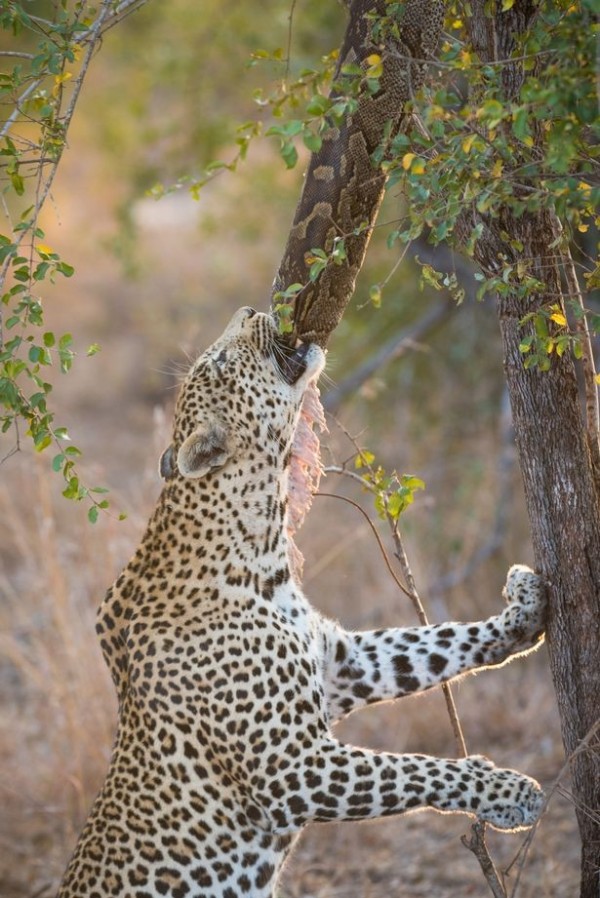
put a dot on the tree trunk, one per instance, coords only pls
(564, 511)
(558, 458)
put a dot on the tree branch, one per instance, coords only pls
(476, 844)
(410, 589)
(106, 18)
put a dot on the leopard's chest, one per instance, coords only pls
(241, 683)
(232, 645)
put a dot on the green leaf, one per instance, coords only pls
(491, 112)
(318, 105)
(312, 142)
(38, 355)
(396, 504)
(526, 344)
(65, 269)
(289, 154)
(412, 483)
(375, 295)
(289, 292)
(17, 183)
(42, 439)
(38, 402)
(73, 489)
(364, 459)
(288, 129)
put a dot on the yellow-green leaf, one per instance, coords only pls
(375, 295)
(364, 458)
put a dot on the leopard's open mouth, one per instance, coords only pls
(291, 363)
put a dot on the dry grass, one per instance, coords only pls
(57, 703)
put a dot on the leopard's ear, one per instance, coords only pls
(207, 449)
(167, 465)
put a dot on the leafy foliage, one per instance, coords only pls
(534, 152)
(538, 152)
(473, 150)
(40, 89)
(394, 492)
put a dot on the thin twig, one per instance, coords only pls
(592, 410)
(17, 110)
(422, 615)
(476, 844)
(105, 20)
(288, 55)
(123, 10)
(390, 351)
(410, 590)
(89, 37)
(438, 64)
(384, 554)
(520, 857)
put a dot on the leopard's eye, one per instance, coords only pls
(218, 364)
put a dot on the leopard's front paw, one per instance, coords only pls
(505, 799)
(525, 615)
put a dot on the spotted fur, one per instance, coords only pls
(229, 681)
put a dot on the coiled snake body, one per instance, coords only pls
(344, 187)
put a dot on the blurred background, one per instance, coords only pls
(155, 282)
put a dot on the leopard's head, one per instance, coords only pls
(241, 399)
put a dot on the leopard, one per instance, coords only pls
(229, 681)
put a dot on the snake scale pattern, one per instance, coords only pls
(343, 187)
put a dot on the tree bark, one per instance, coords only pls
(564, 512)
(558, 457)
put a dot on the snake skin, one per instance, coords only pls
(343, 189)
